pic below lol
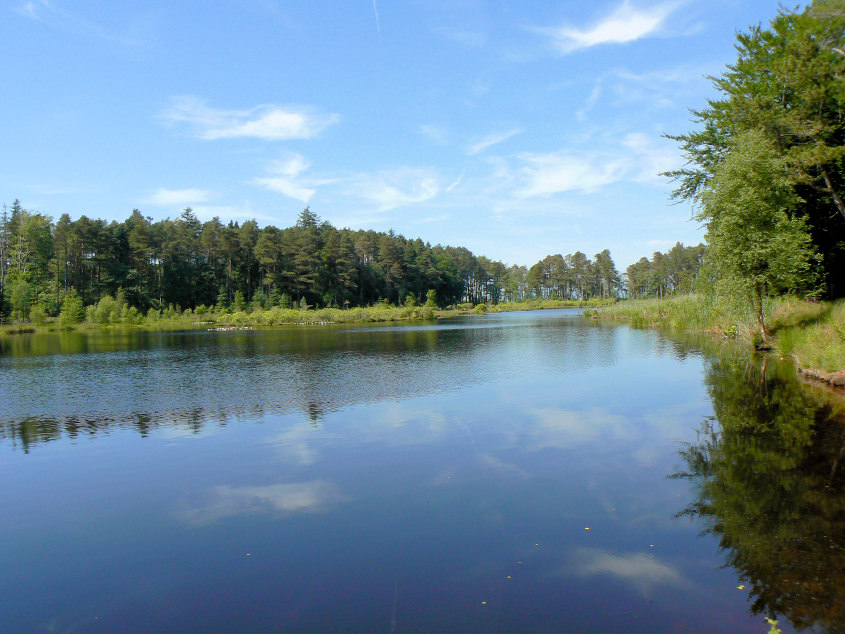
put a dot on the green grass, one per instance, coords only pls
(542, 304)
(814, 332)
(814, 335)
(174, 319)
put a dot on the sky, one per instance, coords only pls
(515, 129)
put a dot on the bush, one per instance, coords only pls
(106, 311)
(37, 315)
(72, 311)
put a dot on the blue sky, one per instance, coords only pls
(516, 129)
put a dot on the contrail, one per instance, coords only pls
(375, 10)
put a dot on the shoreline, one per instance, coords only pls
(812, 334)
(172, 320)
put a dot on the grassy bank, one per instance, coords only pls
(109, 315)
(813, 332)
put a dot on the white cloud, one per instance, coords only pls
(651, 159)
(400, 187)
(284, 178)
(456, 182)
(566, 428)
(625, 24)
(661, 88)
(464, 37)
(641, 570)
(285, 499)
(501, 467)
(56, 16)
(31, 9)
(636, 157)
(172, 197)
(557, 172)
(491, 140)
(435, 133)
(267, 122)
(375, 10)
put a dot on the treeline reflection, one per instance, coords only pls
(188, 380)
(27, 432)
(769, 469)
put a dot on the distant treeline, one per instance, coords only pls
(666, 274)
(187, 263)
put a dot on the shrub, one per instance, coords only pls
(72, 311)
(37, 315)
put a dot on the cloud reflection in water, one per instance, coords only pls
(227, 501)
(640, 570)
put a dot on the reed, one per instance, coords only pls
(813, 332)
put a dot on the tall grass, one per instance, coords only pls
(814, 332)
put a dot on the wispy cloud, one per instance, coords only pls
(437, 134)
(32, 10)
(456, 182)
(637, 157)
(566, 428)
(491, 140)
(285, 178)
(557, 172)
(378, 22)
(465, 37)
(268, 122)
(399, 187)
(54, 15)
(285, 499)
(641, 570)
(625, 24)
(169, 197)
(652, 158)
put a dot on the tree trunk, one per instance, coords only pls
(758, 308)
(836, 199)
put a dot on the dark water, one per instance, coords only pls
(528, 472)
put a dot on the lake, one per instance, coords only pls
(532, 472)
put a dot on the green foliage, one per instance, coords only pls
(239, 303)
(152, 266)
(72, 311)
(771, 489)
(106, 311)
(757, 243)
(671, 273)
(222, 299)
(275, 298)
(786, 86)
(20, 297)
(812, 331)
(37, 315)
(259, 301)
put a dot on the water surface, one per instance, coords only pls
(515, 472)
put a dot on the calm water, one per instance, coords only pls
(520, 472)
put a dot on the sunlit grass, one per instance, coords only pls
(814, 332)
(172, 318)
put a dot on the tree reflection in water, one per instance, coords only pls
(770, 476)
